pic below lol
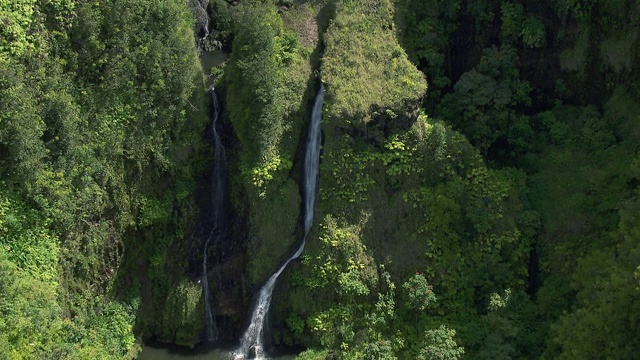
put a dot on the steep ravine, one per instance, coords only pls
(219, 273)
(228, 264)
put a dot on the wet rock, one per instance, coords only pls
(199, 10)
(211, 44)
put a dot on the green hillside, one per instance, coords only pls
(478, 194)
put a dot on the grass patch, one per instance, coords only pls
(364, 66)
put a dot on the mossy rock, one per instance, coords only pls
(274, 221)
(183, 314)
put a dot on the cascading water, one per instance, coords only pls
(206, 32)
(201, 17)
(251, 341)
(217, 209)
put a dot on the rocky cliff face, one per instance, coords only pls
(200, 10)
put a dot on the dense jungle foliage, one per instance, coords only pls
(479, 179)
(100, 149)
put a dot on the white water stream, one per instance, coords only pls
(251, 344)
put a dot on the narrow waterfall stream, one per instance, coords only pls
(251, 344)
(201, 17)
(217, 210)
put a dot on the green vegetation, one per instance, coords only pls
(494, 216)
(100, 149)
(551, 165)
(267, 85)
(182, 318)
(267, 79)
(364, 64)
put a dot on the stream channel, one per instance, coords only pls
(209, 60)
(201, 352)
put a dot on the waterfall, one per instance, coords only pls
(201, 17)
(312, 164)
(252, 340)
(206, 31)
(217, 209)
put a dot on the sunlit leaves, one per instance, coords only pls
(262, 76)
(440, 345)
(419, 293)
(364, 66)
(16, 36)
(95, 99)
